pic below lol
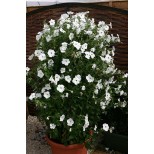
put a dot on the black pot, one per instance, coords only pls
(115, 142)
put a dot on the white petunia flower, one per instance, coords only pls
(52, 79)
(70, 12)
(118, 38)
(92, 55)
(57, 78)
(44, 65)
(56, 33)
(61, 30)
(123, 104)
(92, 49)
(126, 75)
(52, 126)
(101, 23)
(65, 62)
(93, 66)
(113, 51)
(109, 70)
(89, 55)
(62, 117)
(119, 86)
(76, 44)
(68, 26)
(66, 95)
(40, 73)
(110, 25)
(46, 94)
(107, 97)
(47, 118)
(121, 92)
(105, 127)
(75, 24)
(63, 47)
(101, 45)
(84, 47)
(111, 129)
(52, 22)
(84, 128)
(106, 27)
(32, 96)
(47, 87)
(38, 52)
(78, 30)
(31, 57)
(95, 127)
(99, 84)
(88, 32)
(76, 80)
(46, 26)
(102, 58)
(60, 88)
(38, 95)
(101, 33)
(64, 44)
(42, 57)
(106, 83)
(86, 123)
(27, 69)
(50, 62)
(64, 16)
(68, 78)
(124, 82)
(70, 122)
(90, 78)
(62, 70)
(83, 88)
(51, 53)
(43, 90)
(96, 91)
(103, 105)
(71, 36)
(48, 38)
(108, 39)
(108, 58)
(38, 36)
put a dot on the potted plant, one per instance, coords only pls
(71, 76)
(117, 116)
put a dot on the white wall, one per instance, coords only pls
(30, 3)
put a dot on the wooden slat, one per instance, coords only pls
(123, 4)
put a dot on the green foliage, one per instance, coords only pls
(74, 79)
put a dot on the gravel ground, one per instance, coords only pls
(35, 143)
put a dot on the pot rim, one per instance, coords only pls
(61, 146)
